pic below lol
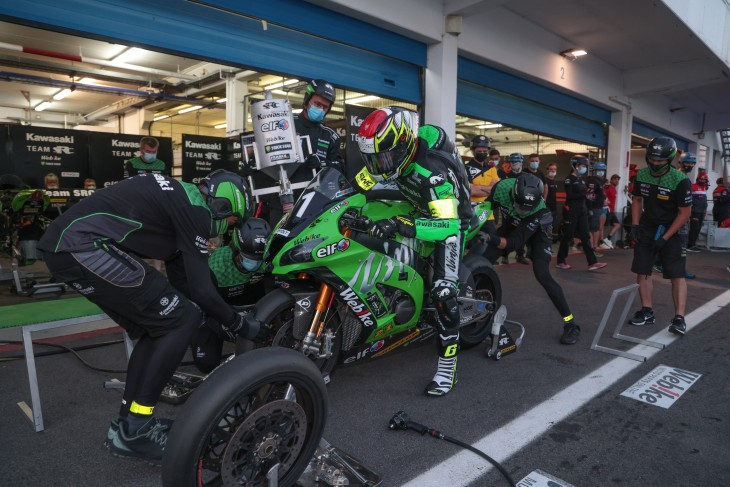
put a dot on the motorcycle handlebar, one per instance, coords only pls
(359, 223)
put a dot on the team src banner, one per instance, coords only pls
(662, 386)
(201, 155)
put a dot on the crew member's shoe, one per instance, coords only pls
(689, 275)
(114, 429)
(563, 265)
(694, 248)
(148, 443)
(597, 265)
(445, 378)
(571, 332)
(642, 317)
(678, 326)
(607, 243)
(523, 260)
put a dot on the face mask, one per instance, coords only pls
(687, 169)
(516, 167)
(534, 164)
(582, 170)
(91, 186)
(315, 114)
(493, 162)
(149, 156)
(480, 156)
(658, 169)
(52, 186)
(552, 174)
(600, 174)
(249, 264)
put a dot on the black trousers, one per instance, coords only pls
(575, 223)
(695, 225)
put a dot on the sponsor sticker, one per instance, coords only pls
(663, 386)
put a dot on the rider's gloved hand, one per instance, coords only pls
(246, 326)
(387, 227)
(314, 161)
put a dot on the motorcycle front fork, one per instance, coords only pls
(312, 343)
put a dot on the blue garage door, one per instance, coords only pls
(268, 36)
(647, 131)
(494, 95)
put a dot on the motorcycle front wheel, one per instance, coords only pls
(265, 407)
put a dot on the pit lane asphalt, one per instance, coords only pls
(609, 441)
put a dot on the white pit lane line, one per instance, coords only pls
(465, 467)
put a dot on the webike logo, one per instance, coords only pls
(357, 306)
(202, 244)
(332, 248)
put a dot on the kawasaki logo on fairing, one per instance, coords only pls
(357, 306)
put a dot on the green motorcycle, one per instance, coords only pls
(343, 296)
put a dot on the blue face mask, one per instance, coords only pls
(534, 164)
(249, 264)
(315, 114)
(149, 156)
(600, 174)
(582, 170)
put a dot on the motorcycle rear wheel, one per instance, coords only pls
(487, 288)
(261, 408)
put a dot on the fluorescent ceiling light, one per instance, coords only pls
(296, 110)
(125, 55)
(221, 100)
(281, 84)
(220, 126)
(489, 126)
(189, 109)
(62, 94)
(279, 92)
(87, 81)
(161, 117)
(42, 106)
(361, 99)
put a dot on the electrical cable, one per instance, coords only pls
(400, 421)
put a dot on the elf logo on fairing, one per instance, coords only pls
(330, 249)
(357, 306)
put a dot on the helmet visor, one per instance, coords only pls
(384, 163)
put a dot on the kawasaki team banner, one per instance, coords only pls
(5, 166)
(234, 154)
(354, 115)
(109, 152)
(37, 151)
(201, 155)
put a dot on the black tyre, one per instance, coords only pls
(261, 408)
(487, 287)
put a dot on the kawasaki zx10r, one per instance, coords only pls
(343, 296)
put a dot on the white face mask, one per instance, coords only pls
(552, 174)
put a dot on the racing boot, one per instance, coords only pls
(445, 378)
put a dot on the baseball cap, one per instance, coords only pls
(615, 176)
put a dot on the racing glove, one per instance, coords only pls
(248, 327)
(387, 227)
(314, 161)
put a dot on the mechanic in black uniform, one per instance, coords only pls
(98, 247)
(234, 272)
(575, 216)
(325, 144)
(527, 220)
(426, 168)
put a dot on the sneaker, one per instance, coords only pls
(563, 265)
(445, 378)
(523, 260)
(571, 332)
(603, 246)
(642, 317)
(694, 248)
(597, 265)
(148, 443)
(678, 326)
(659, 268)
(607, 242)
(114, 429)
(597, 254)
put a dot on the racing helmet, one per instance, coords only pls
(660, 153)
(480, 141)
(576, 161)
(527, 193)
(322, 88)
(387, 140)
(249, 240)
(688, 158)
(226, 194)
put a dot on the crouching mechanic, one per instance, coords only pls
(424, 166)
(527, 220)
(234, 272)
(98, 247)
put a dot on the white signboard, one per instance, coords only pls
(538, 478)
(662, 386)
